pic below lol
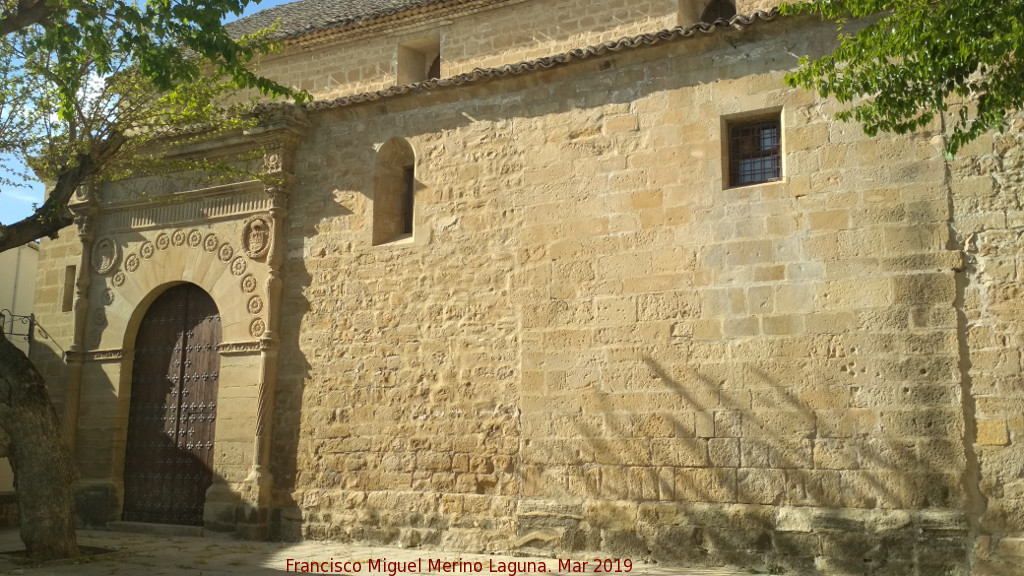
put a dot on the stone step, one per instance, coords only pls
(158, 529)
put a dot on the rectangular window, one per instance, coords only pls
(755, 151)
(68, 296)
(419, 60)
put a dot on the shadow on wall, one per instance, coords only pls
(300, 296)
(313, 322)
(750, 471)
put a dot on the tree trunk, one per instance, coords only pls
(44, 472)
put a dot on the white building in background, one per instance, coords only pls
(17, 297)
(17, 289)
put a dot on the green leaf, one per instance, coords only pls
(911, 59)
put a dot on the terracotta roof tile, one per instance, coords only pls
(312, 16)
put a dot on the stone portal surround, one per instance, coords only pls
(224, 239)
(129, 268)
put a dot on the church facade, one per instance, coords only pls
(557, 277)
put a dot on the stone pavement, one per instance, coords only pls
(219, 555)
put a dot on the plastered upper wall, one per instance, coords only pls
(17, 293)
(357, 63)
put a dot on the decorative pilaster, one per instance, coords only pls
(85, 215)
(279, 143)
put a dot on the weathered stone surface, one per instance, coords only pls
(589, 340)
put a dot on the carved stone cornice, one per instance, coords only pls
(278, 133)
(249, 348)
(110, 355)
(204, 205)
(84, 198)
(281, 123)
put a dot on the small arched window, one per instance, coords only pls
(394, 189)
(724, 9)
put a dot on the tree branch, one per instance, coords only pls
(53, 214)
(29, 12)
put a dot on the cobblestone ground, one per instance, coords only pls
(149, 555)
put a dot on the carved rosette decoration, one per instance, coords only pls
(131, 263)
(257, 236)
(238, 266)
(147, 250)
(257, 327)
(249, 284)
(106, 255)
(255, 305)
(256, 239)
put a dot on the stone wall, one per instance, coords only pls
(591, 343)
(55, 255)
(988, 183)
(366, 59)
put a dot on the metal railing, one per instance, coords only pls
(11, 322)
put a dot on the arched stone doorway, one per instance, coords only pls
(169, 454)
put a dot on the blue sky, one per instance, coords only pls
(254, 7)
(16, 202)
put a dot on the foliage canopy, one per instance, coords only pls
(918, 58)
(85, 85)
(95, 89)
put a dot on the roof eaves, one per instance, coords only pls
(313, 32)
(418, 15)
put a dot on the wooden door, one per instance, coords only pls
(169, 457)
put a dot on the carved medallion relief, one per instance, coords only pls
(256, 237)
(106, 255)
(271, 163)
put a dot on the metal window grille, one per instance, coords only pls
(754, 152)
